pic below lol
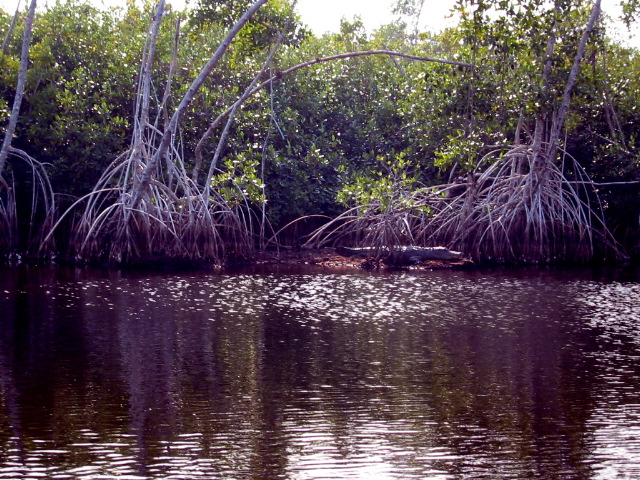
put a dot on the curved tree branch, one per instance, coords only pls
(278, 75)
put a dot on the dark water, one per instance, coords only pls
(293, 375)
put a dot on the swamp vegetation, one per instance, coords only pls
(213, 133)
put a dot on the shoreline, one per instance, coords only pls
(328, 258)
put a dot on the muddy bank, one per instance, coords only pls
(326, 258)
(329, 258)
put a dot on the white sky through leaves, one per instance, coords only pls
(325, 15)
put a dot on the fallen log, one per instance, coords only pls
(407, 255)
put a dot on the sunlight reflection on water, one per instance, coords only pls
(443, 375)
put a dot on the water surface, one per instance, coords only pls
(302, 375)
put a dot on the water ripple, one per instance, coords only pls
(445, 375)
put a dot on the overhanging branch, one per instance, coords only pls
(278, 75)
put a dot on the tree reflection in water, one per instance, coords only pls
(299, 375)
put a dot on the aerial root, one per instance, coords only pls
(516, 209)
(18, 230)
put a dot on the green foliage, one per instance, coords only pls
(630, 11)
(79, 91)
(274, 18)
(355, 131)
(240, 182)
(464, 150)
(385, 188)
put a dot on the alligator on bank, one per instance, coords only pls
(402, 255)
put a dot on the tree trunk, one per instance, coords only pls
(7, 37)
(167, 137)
(22, 78)
(540, 123)
(558, 120)
(144, 92)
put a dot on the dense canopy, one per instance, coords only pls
(148, 132)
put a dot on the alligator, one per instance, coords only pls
(402, 255)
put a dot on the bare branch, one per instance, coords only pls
(558, 119)
(212, 127)
(7, 37)
(22, 78)
(169, 132)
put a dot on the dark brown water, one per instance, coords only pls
(308, 376)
